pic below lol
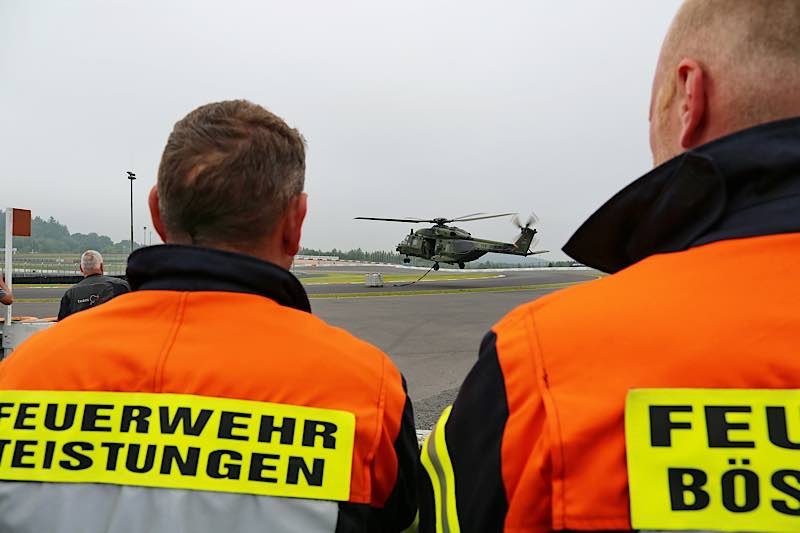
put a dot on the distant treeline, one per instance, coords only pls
(383, 256)
(380, 256)
(50, 236)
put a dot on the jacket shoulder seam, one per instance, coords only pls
(379, 422)
(158, 374)
(552, 423)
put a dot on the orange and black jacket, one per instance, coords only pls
(705, 294)
(208, 399)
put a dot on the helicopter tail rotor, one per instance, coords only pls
(532, 219)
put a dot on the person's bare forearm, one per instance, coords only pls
(6, 297)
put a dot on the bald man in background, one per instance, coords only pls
(657, 397)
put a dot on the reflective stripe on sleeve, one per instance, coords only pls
(93, 507)
(436, 460)
(414, 527)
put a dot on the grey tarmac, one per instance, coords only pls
(433, 338)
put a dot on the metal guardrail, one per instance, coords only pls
(55, 279)
(48, 270)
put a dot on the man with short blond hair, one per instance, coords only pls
(94, 289)
(210, 399)
(657, 398)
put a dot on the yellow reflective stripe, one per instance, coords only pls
(436, 460)
(414, 527)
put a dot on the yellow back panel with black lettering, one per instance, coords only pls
(176, 441)
(720, 459)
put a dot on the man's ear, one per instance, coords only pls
(155, 213)
(692, 94)
(293, 224)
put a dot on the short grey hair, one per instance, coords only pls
(91, 261)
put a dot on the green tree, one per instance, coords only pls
(50, 236)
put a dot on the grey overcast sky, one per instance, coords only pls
(416, 108)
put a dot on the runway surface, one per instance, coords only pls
(433, 339)
(507, 278)
(431, 330)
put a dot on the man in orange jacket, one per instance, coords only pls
(209, 399)
(662, 397)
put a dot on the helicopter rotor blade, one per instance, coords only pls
(462, 217)
(485, 217)
(412, 220)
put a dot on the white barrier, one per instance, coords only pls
(374, 279)
(13, 334)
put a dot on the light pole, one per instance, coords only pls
(131, 177)
(144, 236)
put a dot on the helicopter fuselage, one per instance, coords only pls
(451, 245)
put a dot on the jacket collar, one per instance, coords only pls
(744, 185)
(191, 268)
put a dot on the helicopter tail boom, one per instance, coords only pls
(523, 244)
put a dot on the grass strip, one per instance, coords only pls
(471, 290)
(512, 288)
(337, 279)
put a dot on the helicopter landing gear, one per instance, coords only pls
(406, 260)
(461, 265)
(436, 266)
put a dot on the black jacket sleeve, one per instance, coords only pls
(66, 305)
(400, 510)
(473, 434)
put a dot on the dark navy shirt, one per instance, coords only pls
(89, 292)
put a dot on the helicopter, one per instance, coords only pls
(449, 244)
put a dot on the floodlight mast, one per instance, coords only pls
(131, 177)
